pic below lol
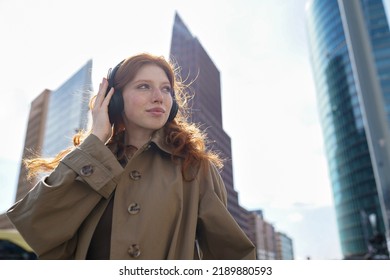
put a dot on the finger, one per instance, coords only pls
(107, 99)
(102, 92)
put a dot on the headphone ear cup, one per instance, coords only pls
(115, 107)
(174, 110)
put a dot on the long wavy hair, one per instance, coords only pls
(186, 139)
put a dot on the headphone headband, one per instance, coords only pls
(111, 74)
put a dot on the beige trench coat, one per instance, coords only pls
(58, 216)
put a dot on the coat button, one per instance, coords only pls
(86, 170)
(134, 251)
(134, 208)
(135, 175)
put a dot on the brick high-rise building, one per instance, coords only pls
(198, 69)
(32, 145)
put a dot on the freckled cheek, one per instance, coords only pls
(168, 101)
(131, 105)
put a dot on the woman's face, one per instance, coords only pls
(147, 100)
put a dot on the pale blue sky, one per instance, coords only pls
(268, 96)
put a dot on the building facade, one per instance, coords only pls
(67, 111)
(270, 244)
(198, 70)
(32, 146)
(54, 118)
(284, 247)
(354, 169)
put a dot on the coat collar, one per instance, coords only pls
(158, 139)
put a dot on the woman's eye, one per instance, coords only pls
(143, 86)
(167, 89)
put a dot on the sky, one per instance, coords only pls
(268, 93)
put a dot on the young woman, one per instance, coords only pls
(140, 185)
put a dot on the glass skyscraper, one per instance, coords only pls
(360, 187)
(67, 111)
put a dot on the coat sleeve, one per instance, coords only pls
(219, 235)
(49, 216)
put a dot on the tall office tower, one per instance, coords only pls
(54, 118)
(68, 111)
(34, 139)
(198, 68)
(32, 146)
(350, 54)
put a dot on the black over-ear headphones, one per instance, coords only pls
(116, 106)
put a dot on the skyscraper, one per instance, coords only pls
(32, 145)
(198, 69)
(54, 118)
(67, 111)
(350, 54)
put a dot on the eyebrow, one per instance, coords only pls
(150, 81)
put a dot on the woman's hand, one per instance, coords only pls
(101, 126)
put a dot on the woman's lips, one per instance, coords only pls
(157, 111)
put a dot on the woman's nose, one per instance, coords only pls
(157, 95)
